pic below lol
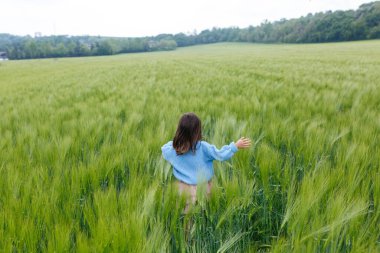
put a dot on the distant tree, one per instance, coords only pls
(167, 45)
(104, 48)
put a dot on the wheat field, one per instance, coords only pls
(81, 167)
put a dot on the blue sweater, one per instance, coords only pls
(193, 168)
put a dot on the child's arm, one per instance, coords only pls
(166, 149)
(227, 151)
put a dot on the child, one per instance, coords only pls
(192, 159)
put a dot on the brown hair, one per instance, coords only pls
(188, 133)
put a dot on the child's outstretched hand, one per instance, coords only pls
(243, 143)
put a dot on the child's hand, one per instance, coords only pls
(243, 143)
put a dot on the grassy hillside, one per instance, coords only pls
(81, 167)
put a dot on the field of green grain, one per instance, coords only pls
(81, 167)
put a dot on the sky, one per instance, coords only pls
(126, 18)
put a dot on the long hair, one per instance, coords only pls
(189, 132)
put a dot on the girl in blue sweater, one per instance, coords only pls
(192, 159)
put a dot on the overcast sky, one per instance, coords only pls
(129, 18)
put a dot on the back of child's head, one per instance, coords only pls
(189, 132)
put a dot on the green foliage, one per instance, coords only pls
(18, 47)
(81, 167)
(362, 24)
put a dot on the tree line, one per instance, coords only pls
(27, 47)
(360, 24)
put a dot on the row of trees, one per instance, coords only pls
(26, 47)
(364, 23)
(360, 24)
